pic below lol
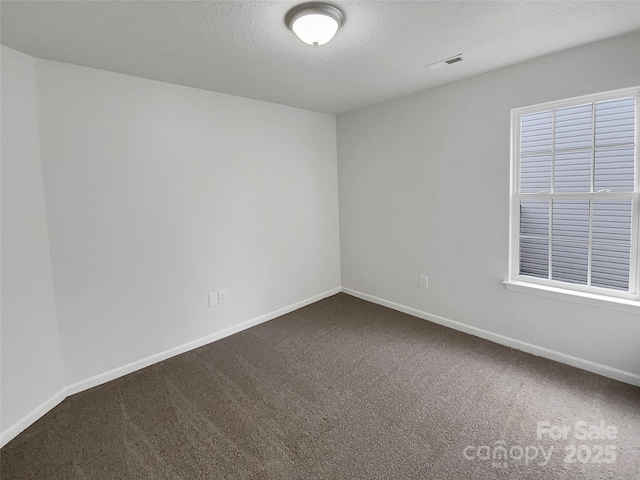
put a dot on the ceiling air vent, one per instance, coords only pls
(446, 61)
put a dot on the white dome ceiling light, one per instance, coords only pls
(314, 23)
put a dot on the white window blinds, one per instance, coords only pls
(576, 194)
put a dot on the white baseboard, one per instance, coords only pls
(11, 432)
(14, 430)
(185, 347)
(604, 370)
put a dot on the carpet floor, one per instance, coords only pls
(341, 389)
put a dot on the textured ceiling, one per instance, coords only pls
(244, 48)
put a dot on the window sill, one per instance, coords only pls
(620, 304)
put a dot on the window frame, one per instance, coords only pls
(522, 282)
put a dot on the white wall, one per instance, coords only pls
(424, 188)
(158, 194)
(31, 363)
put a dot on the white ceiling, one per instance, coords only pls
(244, 48)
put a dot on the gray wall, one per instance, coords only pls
(32, 372)
(158, 194)
(424, 188)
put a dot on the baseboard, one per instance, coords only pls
(604, 370)
(172, 352)
(10, 433)
(14, 430)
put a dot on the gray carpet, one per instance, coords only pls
(341, 389)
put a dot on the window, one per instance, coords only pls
(575, 195)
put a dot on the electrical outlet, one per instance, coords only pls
(213, 299)
(222, 296)
(424, 281)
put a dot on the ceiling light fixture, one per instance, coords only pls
(314, 23)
